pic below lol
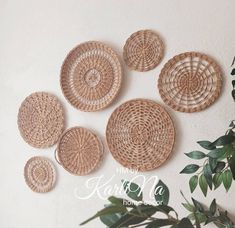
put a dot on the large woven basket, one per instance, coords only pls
(140, 134)
(79, 151)
(91, 76)
(143, 50)
(40, 174)
(190, 82)
(41, 119)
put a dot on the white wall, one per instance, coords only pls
(35, 36)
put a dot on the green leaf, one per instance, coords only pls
(217, 153)
(106, 211)
(110, 219)
(196, 154)
(203, 184)
(133, 190)
(160, 223)
(193, 183)
(161, 193)
(208, 175)
(213, 207)
(192, 168)
(185, 223)
(217, 180)
(200, 217)
(223, 140)
(206, 145)
(189, 207)
(233, 72)
(227, 179)
(212, 163)
(198, 205)
(219, 166)
(231, 162)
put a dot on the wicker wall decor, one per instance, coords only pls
(140, 134)
(91, 76)
(40, 174)
(79, 151)
(190, 82)
(143, 50)
(41, 119)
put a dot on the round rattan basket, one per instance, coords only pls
(41, 120)
(140, 134)
(91, 76)
(40, 174)
(143, 50)
(79, 151)
(190, 82)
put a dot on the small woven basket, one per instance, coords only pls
(40, 174)
(79, 151)
(41, 120)
(140, 134)
(190, 82)
(143, 50)
(91, 76)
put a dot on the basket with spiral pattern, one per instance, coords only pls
(40, 174)
(41, 120)
(190, 82)
(143, 50)
(91, 76)
(140, 134)
(79, 151)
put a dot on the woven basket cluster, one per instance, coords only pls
(140, 134)
(143, 50)
(91, 76)
(190, 82)
(40, 174)
(79, 151)
(41, 120)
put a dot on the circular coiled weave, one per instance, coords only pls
(79, 151)
(91, 76)
(190, 82)
(40, 174)
(41, 119)
(140, 134)
(143, 50)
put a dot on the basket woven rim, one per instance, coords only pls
(134, 35)
(62, 119)
(193, 54)
(101, 150)
(51, 165)
(119, 66)
(170, 118)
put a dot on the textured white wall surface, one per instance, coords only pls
(35, 37)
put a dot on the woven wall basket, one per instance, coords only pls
(143, 50)
(190, 82)
(79, 151)
(140, 134)
(41, 120)
(91, 76)
(40, 174)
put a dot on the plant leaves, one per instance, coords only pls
(185, 223)
(217, 180)
(217, 153)
(212, 163)
(223, 140)
(206, 145)
(189, 207)
(203, 184)
(133, 190)
(198, 205)
(231, 162)
(110, 219)
(160, 223)
(208, 175)
(196, 155)
(193, 183)
(213, 207)
(192, 168)
(219, 166)
(233, 72)
(227, 179)
(161, 193)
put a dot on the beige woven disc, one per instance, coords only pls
(41, 120)
(143, 50)
(140, 134)
(190, 82)
(40, 174)
(79, 151)
(91, 76)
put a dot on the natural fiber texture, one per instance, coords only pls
(40, 174)
(79, 151)
(190, 82)
(140, 134)
(91, 76)
(41, 120)
(143, 50)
